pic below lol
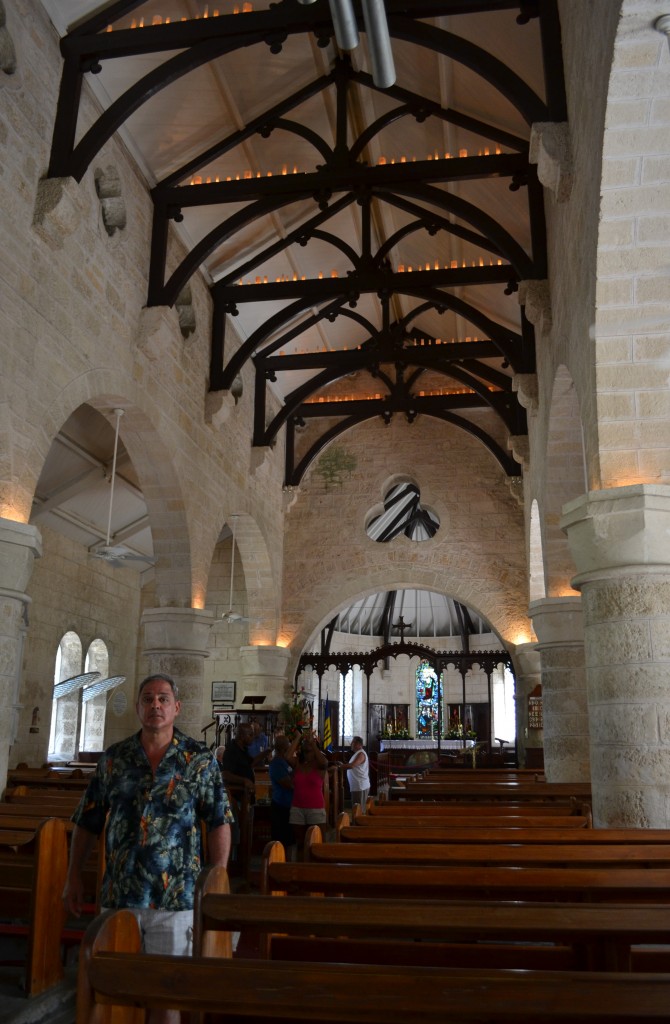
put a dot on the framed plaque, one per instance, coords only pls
(223, 691)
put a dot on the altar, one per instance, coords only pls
(424, 744)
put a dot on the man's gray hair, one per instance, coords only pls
(164, 679)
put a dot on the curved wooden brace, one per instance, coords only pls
(130, 101)
(507, 463)
(297, 474)
(497, 74)
(337, 243)
(297, 397)
(283, 243)
(294, 128)
(502, 337)
(247, 349)
(326, 313)
(166, 295)
(254, 127)
(377, 126)
(442, 223)
(508, 247)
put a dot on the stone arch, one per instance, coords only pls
(536, 586)
(253, 572)
(632, 319)
(259, 580)
(152, 458)
(565, 477)
(488, 601)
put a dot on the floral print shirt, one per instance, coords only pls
(153, 841)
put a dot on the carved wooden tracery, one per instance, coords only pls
(368, 661)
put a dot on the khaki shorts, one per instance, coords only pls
(165, 931)
(307, 816)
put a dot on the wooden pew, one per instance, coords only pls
(74, 779)
(28, 822)
(32, 876)
(424, 808)
(517, 792)
(483, 774)
(488, 854)
(43, 794)
(112, 973)
(452, 933)
(477, 832)
(420, 881)
(491, 820)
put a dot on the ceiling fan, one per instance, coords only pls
(116, 556)
(231, 616)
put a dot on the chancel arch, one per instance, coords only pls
(367, 660)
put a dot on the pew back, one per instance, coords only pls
(112, 974)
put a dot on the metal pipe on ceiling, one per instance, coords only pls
(376, 30)
(379, 43)
(344, 22)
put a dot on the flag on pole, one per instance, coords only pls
(327, 728)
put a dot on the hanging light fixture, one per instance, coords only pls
(376, 30)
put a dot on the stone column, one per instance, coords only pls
(175, 642)
(527, 675)
(558, 625)
(264, 672)
(620, 544)
(20, 545)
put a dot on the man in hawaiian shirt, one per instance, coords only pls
(152, 790)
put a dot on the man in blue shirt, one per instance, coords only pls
(281, 780)
(260, 745)
(153, 790)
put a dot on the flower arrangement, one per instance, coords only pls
(295, 715)
(455, 731)
(393, 733)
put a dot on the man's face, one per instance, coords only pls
(156, 706)
(245, 736)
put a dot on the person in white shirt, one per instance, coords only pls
(358, 774)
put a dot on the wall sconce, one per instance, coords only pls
(376, 30)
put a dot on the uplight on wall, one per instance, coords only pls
(376, 30)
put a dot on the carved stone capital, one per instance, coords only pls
(156, 331)
(519, 446)
(259, 456)
(535, 297)
(112, 203)
(218, 407)
(526, 388)
(550, 149)
(185, 312)
(56, 213)
(515, 488)
(289, 497)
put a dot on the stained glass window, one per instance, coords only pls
(428, 696)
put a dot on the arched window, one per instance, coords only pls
(78, 716)
(428, 697)
(65, 710)
(92, 730)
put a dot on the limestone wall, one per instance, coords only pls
(76, 330)
(96, 602)
(477, 556)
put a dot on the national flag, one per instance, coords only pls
(327, 728)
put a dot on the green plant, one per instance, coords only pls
(334, 463)
(295, 715)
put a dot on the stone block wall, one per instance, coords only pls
(94, 601)
(477, 555)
